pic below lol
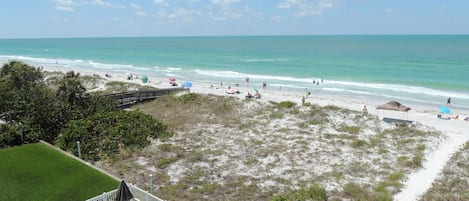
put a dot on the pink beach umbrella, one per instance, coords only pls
(172, 79)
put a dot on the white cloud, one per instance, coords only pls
(65, 8)
(161, 3)
(101, 3)
(224, 4)
(228, 10)
(138, 9)
(389, 10)
(64, 5)
(307, 8)
(135, 6)
(185, 14)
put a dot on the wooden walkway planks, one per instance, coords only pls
(129, 98)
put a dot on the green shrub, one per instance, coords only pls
(349, 129)
(417, 160)
(190, 97)
(286, 104)
(358, 143)
(276, 115)
(313, 193)
(9, 136)
(105, 133)
(356, 192)
(165, 162)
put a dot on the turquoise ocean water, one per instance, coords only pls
(415, 69)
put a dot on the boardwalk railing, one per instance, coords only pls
(131, 97)
(137, 192)
(106, 196)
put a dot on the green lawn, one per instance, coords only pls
(38, 172)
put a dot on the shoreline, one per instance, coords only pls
(418, 97)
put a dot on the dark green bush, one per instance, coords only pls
(190, 97)
(286, 104)
(9, 136)
(106, 133)
(313, 193)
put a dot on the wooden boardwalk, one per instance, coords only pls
(129, 98)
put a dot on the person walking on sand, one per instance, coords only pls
(448, 103)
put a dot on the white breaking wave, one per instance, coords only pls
(400, 88)
(233, 74)
(343, 85)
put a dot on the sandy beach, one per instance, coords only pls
(454, 130)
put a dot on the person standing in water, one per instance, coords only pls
(448, 102)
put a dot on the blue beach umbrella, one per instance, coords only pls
(445, 110)
(187, 84)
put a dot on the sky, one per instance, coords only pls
(122, 18)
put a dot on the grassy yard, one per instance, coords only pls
(38, 172)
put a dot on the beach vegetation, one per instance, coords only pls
(358, 143)
(313, 193)
(117, 86)
(276, 115)
(269, 156)
(452, 183)
(41, 112)
(106, 133)
(349, 129)
(9, 136)
(165, 162)
(286, 104)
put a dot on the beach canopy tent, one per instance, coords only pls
(394, 106)
(144, 79)
(123, 192)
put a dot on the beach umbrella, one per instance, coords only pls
(123, 192)
(187, 84)
(144, 79)
(445, 110)
(172, 79)
(255, 89)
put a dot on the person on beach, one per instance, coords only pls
(303, 100)
(264, 85)
(365, 110)
(448, 102)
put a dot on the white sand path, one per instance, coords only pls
(419, 182)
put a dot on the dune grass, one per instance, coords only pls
(38, 172)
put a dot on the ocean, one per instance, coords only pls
(412, 69)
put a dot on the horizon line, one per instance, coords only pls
(247, 35)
